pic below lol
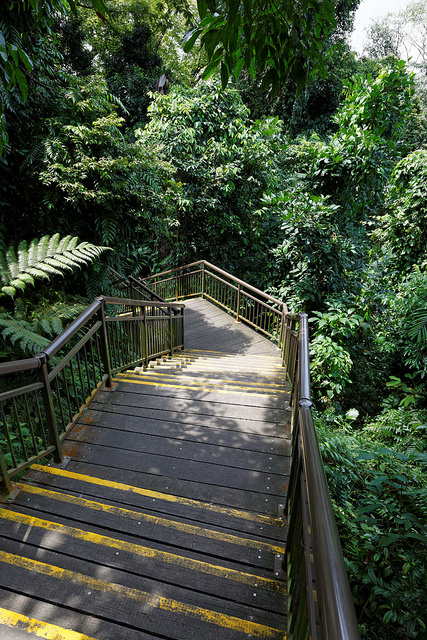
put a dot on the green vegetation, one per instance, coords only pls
(306, 176)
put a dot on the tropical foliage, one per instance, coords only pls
(41, 259)
(317, 193)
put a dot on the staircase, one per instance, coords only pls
(166, 520)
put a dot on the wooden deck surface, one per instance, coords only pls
(163, 523)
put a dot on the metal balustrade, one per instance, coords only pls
(45, 395)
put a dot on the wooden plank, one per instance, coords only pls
(239, 399)
(259, 501)
(146, 574)
(222, 333)
(66, 617)
(150, 528)
(181, 431)
(173, 506)
(130, 398)
(238, 456)
(130, 606)
(247, 425)
(186, 469)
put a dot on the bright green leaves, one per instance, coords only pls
(402, 228)
(221, 165)
(284, 41)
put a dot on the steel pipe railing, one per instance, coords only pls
(317, 576)
(43, 396)
(245, 302)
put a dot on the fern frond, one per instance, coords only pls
(12, 263)
(53, 243)
(49, 317)
(42, 248)
(4, 271)
(64, 243)
(48, 256)
(20, 332)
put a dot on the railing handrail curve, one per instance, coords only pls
(224, 273)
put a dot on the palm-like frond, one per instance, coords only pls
(49, 256)
(417, 327)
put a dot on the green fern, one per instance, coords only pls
(51, 255)
(33, 336)
(20, 332)
(49, 318)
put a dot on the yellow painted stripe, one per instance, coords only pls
(231, 355)
(126, 378)
(38, 627)
(202, 368)
(146, 552)
(235, 357)
(243, 365)
(207, 506)
(152, 520)
(152, 373)
(143, 599)
(194, 381)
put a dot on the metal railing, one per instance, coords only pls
(43, 396)
(245, 302)
(320, 604)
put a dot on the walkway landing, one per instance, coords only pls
(164, 520)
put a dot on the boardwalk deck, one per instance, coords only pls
(164, 521)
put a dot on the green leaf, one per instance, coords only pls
(202, 8)
(225, 74)
(189, 42)
(210, 70)
(22, 83)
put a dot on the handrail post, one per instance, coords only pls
(105, 351)
(238, 303)
(282, 326)
(203, 279)
(183, 328)
(170, 321)
(145, 346)
(304, 361)
(6, 486)
(49, 408)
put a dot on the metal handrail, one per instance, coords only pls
(205, 263)
(329, 612)
(47, 393)
(248, 304)
(132, 285)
